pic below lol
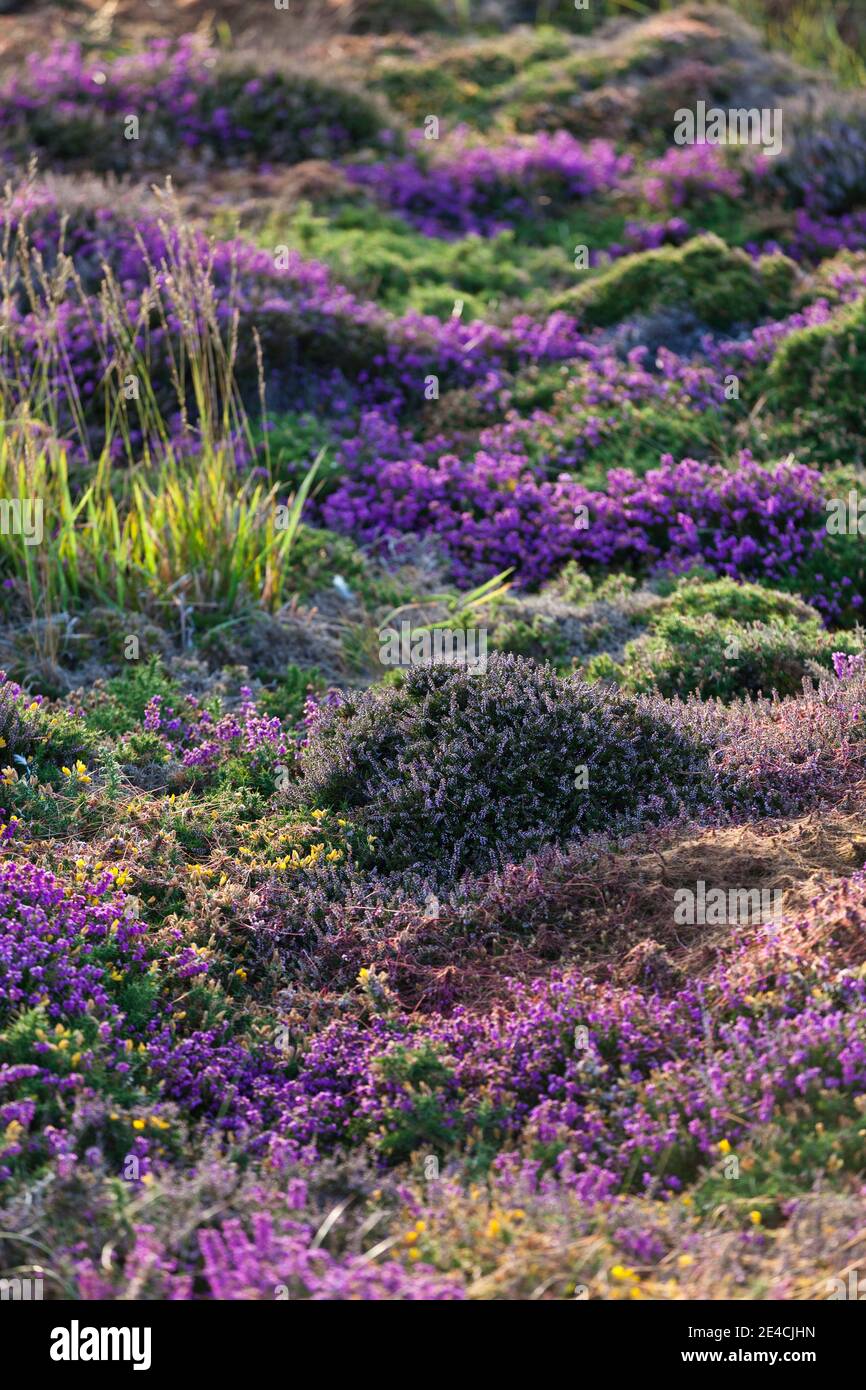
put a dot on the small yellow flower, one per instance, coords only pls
(318, 815)
(414, 1253)
(755, 1218)
(410, 1237)
(138, 1124)
(622, 1273)
(493, 1227)
(685, 1260)
(724, 1146)
(241, 973)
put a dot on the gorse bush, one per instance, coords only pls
(454, 770)
(725, 599)
(821, 369)
(721, 659)
(722, 286)
(721, 640)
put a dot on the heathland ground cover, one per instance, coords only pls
(327, 974)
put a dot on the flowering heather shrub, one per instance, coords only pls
(609, 1113)
(818, 235)
(749, 522)
(237, 1266)
(687, 174)
(16, 728)
(64, 952)
(826, 170)
(487, 514)
(455, 771)
(70, 108)
(649, 236)
(470, 188)
(173, 290)
(780, 757)
(269, 1247)
(274, 944)
(199, 739)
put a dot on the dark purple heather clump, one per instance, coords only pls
(474, 188)
(498, 510)
(188, 101)
(458, 770)
(826, 168)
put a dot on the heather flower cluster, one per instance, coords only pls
(471, 188)
(688, 173)
(324, 977)
(65, 105)
(748, 521)
(198, 739)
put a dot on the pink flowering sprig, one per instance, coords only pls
(468, 187)
(200, 739)
(686, 175)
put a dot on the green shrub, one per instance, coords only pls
(721, 285)
(822, 370)
(720, 658)
(725, 598)
(381, 257)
